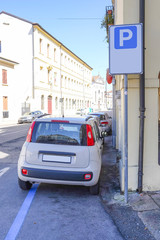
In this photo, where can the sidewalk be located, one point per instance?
(140, 218)
(8, 124)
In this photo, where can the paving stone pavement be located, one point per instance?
(140, 217)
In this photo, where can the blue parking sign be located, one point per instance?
(126, 49)
(125, 37)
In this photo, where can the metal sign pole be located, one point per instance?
(114, 112)
(126, 135)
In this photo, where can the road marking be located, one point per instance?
(4, 170)
(16, 226)
(3, 155)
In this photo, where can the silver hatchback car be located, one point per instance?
(61, 151)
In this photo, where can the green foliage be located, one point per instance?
(106, 22)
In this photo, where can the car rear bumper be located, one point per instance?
(56, 174)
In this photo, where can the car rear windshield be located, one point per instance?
(59, 133)
(101, 117)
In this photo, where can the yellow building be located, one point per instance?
(127, 12)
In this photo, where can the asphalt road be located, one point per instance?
(46, 212)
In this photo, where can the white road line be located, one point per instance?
(4, 170)
(16, 226)
(3, 155)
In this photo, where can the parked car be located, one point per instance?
(61, 151)
(81, 112)
(105, 121)
(29, 117)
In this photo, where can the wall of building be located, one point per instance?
(16, 45)
(98, 94)
(151, 171)
(71, 73)
(52, 71)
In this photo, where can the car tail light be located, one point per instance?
(24, 171)
(88, 176)
(90, 139)
(104, 122)
(30, 131)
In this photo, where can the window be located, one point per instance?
(55, 78)
(62, 58)
(62, 81)
(69, 103)
(55, 54)
(40, 45)
(59, 133)
(5, 103)
(66, 103)
(48, 48)
(96, 131)
(4, 76)
(65, 82)
(69, 82)
(56, 103)
(48, 76)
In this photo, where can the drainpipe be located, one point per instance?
(142, 103)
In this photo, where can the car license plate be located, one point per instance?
(55, 158)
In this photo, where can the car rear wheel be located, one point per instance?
(94, 190)
(24, 185)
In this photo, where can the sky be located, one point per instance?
(75, 23)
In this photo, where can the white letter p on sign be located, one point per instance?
(123, 37)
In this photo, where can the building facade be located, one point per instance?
(127, 12)
(98, 93)
(42, 73)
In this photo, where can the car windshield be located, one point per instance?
(59, 133)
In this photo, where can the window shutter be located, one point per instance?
(5, 103)
(4, 76)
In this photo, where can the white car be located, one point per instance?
(61, 151)
(29, 117)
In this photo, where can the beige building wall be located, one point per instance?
(73, 76)
(127, 12)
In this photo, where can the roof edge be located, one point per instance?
(61, 44)
(11, 15)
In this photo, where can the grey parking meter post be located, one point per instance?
(126, 136)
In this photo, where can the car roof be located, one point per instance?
(97, 113)
(80, 120)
